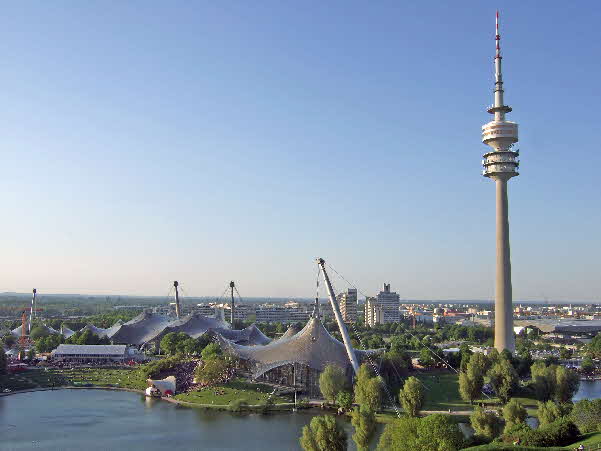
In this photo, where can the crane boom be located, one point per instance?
(345, 336)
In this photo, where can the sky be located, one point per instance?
(143, 142)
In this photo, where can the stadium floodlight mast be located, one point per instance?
(500, 165)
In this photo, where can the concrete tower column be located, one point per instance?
(503, 299)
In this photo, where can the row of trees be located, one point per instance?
(181, 343)
(45, 342)
(556, 424)
(434, 432)
(367, 395)
(548, 381)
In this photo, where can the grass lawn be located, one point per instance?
(442, 391)
(237, 389)
(53, 377)
(589, 441)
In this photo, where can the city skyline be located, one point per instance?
(204, 145)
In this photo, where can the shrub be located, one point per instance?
(587, 415)
(152, 369)
(434, 432)
(344, 399)
(486, 424)
(237, 405)
(323, 433)
(548, 412)
(559, 433)
(514, 413)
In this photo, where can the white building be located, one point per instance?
(348, 305)
(390, 303)
(92, 353)
(374, 313)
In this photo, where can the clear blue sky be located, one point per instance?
(143, 142)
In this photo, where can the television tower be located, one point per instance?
(501, 164)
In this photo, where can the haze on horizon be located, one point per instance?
(145, 142)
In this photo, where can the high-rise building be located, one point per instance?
(348, 305)
(386, 305)
(501, 164)
(374, 313)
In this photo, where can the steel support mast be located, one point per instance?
(177, 309)
(232, 286)
(32, 309)
(345, 336)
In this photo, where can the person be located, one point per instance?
(581, 446)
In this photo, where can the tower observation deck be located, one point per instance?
(500, 164)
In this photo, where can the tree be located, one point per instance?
(38, 332)
(439, 432)
(3, 361)
(548, 412)
(331, 381)
(486, 424)
(368, 389)
(543, 380)
(168, 343)
(213, 371)
(566, 384)
(594, 347)
(503, 379)
(344, 399)
(323, 434)
(9, 340)
(586, 414)
(564, 353)
(514, 413)
(587, 365)
(400, 434)
(364, 422)
(469, 389)
(425, 357)
(412, 396)
(210, 351)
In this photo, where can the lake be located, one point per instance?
(109, 420)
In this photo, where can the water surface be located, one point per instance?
(111, 420)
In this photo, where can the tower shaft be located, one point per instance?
(503, 297)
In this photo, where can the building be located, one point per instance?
(390, 303)
(501, 164)
(348, 305)
(282, 314)
(298, 360)
(374, 313)
(91, 353)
